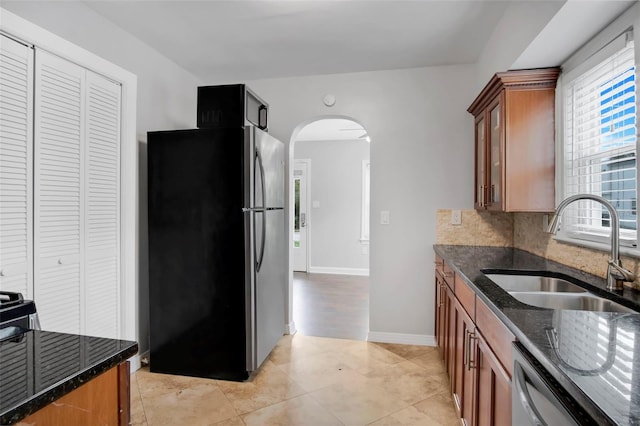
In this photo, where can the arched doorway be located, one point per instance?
(329, 249)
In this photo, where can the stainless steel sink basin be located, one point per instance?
(571, 301)
(534, 283)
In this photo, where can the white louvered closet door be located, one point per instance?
(16, 169)
(102, 207)
(58, 189)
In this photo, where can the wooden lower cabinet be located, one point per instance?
(441, 314)
(450, 338)
(480, 385)
(463, 377)
(493, 388)
(104, 400)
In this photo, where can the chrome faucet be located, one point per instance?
(616, 274)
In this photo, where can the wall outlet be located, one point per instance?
(365, 249)
(456, 217)
(315, 204)
(384, 217)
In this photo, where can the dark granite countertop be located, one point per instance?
(593, 355)
(38, 367)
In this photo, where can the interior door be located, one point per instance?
(102, 207)
(58, 192)
(16, 162)
(301, 216)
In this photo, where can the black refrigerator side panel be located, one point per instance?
(196, 253)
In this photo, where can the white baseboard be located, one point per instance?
(402, 338)
(290, 328)
(338, 271)
(135, 362)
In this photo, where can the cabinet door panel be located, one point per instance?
(440, 317)
(450, 351)
(481, 159)
(462, 374)
(102, 207)
(495, 155)
(58, 192)
(494, 389)
(16, 170)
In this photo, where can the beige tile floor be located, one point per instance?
(307, 381)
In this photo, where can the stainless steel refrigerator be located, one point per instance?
(217, 250)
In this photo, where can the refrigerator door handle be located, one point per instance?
(260, 166)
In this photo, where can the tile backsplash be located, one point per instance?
(528, 235)
(476, 229)
(523, 231)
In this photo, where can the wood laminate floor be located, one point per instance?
(331, 305)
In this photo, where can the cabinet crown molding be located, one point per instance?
(542, 78)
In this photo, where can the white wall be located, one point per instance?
(421, 156)
(519, 26)
(166, 96)
(336, 182)
(543, 34)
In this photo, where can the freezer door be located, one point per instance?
(270, 154)
(264, 223)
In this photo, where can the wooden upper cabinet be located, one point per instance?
(515, 141)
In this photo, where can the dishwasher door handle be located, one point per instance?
(520, 382)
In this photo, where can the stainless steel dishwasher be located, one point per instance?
(537, 399)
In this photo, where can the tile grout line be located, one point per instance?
(328, 410)
(144, 412)
(230, 403)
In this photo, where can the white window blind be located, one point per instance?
(600, 145)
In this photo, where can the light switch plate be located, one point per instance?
(384, 217)
(315, 204)
(456, 217)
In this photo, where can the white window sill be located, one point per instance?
(606, 247)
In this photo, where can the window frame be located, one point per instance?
(597, 49)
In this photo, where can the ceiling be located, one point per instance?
(332, 129)
(226, 41)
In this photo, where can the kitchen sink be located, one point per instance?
(534, 283)
(571, 301)
(554, 293)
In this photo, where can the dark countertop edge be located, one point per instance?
(60, 389)
(569, 386)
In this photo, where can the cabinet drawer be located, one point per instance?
(439, 265)
(448, 275)
(496, 334)
(466, 296)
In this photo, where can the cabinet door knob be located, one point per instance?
(1, 273)
(60, 261)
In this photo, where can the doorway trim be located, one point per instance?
(307, 163)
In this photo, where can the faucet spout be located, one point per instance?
(616, 274)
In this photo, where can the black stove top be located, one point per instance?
(13, 307)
